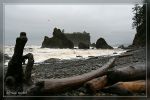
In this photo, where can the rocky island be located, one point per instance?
(59, 40)
(102, 44)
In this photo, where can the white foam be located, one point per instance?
(42, 54)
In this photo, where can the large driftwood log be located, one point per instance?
(136, 71)
(96, 84)
(15, 77)
(14, 74)
(49, 86)
(127, 88)
(130, 50)
(125, 55)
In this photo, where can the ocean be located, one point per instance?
(42, 54)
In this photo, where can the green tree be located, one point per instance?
(139, 15)
(139, 22)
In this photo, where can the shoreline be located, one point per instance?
(56, 68)
(42, 54)
(139, 56)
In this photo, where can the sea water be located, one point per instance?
(42, 54)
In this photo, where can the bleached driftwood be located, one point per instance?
(48, 86)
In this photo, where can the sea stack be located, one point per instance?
(58, 40)
(83, 46)
(102, 44)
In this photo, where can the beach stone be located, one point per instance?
(115, 53)
(33, 74)
(98, 94)
(81, 94)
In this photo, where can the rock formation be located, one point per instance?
(83, 46)
(140, 37)
(77, 37)
(58, 40)
(93, 45)
(101, 43)
(121, 47)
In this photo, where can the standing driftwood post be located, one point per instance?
(15, 77)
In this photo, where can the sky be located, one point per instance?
(112, 22)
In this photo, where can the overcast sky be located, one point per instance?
(112, 22)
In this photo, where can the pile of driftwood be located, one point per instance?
(125, 80)
(122, 81)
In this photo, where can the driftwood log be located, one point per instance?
(96, 84)
(125, 55)
(127, 88)
(15, 76)
(136, 71)
(27, 75)
(49, 86)
(130, 50)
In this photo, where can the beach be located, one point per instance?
(55, 68)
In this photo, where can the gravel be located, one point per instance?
(67, 68)
(56, 68)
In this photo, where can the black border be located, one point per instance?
(74, 1)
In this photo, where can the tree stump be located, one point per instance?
(15, 76)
